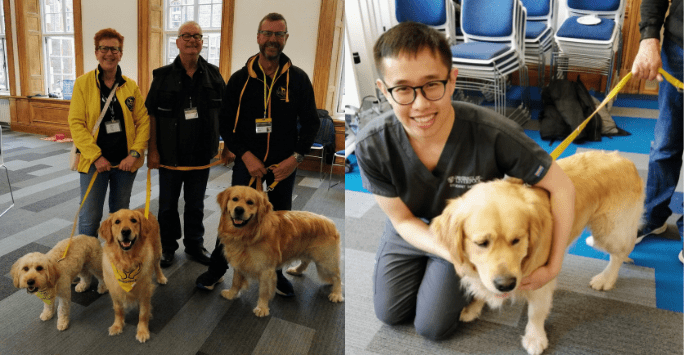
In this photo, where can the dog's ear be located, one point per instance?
(148, 227)
(540, 231)
(15, 272)
(265, 206)
(105, 230)
(51, 272)
(222, 199)
(448, 229)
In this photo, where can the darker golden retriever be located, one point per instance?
(500, 231)
(132, 252)
(258, 240)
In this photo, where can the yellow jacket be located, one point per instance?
(85, 109)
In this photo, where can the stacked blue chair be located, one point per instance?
(589, 38)
(438, 14)
(494, 48)
(539, 34)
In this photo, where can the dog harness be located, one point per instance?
(47, 296)
(127, 279)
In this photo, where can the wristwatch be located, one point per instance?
(298, 157)
(134, 154)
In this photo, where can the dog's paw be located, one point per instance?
(261, 311)
(82, 286)
(469, 314)
(62, 324)
(162, 280)
(46, 315)
(601, 283)
(102, 288)
(335, 297)
(115, 329)
(143, 335)
(230, 294)
(534, 342)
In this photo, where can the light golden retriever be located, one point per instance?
(500, 231)
(42, 274)
(258, 240)
(132, 252)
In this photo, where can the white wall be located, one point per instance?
(302, 25)
(122, 16)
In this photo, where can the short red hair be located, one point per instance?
(106, 34)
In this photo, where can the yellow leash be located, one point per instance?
(258, 184)
(559, 150)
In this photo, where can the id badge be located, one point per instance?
(113, 127)
(263, 125)
(191, 113)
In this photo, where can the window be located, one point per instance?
(4, 82)
(58, 43)
(205, 12)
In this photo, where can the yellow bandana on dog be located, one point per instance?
(47, 296)
(127, 279)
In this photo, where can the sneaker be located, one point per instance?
(167, 259)
(681, 257)
(208, 281)
(284, 287)
(647, 230)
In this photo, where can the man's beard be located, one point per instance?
(276, 45)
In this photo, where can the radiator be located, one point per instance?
(4, 111)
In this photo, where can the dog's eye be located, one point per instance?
(250, 202)
(515, 241)
(39, 268)
(235, 199)
(25, 268)
(483, 244)
(133, 220)
(117, 221)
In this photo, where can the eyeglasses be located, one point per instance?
(267, 34)
(405, 95)
(105, 49)
(186, 37)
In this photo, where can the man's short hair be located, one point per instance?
(410, 38)
(108, 33)
(186, 24)
(273, 16)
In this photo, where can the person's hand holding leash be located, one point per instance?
(102, 164)
(227, 157)
(255, 166)
(647, 61)
(284, 169)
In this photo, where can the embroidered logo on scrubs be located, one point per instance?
(130, 103)
(127, 279)
(280, 92)
(47, 296)
(463, 182)
(539, 171)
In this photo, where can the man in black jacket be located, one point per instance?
(262, 106)
(184, 103)
(665, 159)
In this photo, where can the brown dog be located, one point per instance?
(50, 279)
(258, 240)
(500, 231)
(132, 252)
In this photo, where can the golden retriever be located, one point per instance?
(500, 231)
(50, 279)
(132, 252)
(258, 240)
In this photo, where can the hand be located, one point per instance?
(254, 165)
(152, 159)
(539, 278)
(127, 163)
(227, 157)
(102, 164)
(285, 168)
(647, 61)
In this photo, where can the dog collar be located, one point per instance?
(127, 279)
(47, 296)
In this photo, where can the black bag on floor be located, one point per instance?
(566, 105)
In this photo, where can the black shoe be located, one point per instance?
(200, 255)
(284, 287)
(647, 230)
(208, 281)
(167, 259)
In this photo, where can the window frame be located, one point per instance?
(211, 48)
(5, 54)
(47, 37)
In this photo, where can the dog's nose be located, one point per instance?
(30, 282)
(239, 211)
(126, 232)
(505, 283)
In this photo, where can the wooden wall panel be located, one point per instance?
(324, 50)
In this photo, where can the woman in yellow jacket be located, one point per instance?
(116, 150)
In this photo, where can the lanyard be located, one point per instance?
(267, 90)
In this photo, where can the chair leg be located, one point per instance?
(10, 189)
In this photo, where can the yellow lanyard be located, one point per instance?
(267, 90)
